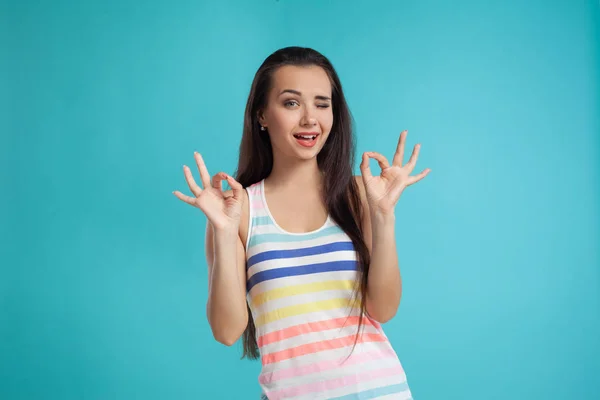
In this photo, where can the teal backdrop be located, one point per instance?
(103, 281)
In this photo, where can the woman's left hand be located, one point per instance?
(383, 191)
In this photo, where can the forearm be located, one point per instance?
(226, 307)
(384, 287)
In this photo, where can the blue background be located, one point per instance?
(103, 281)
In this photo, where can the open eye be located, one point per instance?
(290, 103)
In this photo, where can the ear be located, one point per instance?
(261, 118)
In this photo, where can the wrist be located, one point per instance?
(226, 233)
(383, 218)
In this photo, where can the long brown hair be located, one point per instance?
(335, 160)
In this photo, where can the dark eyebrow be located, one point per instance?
(300, 94)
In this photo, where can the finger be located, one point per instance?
(399, 155)
(217, 180)
(191, 182)
(383, 162)
(204, 175)
(184, 198)
(414, 156)
(236, 187)
(365, 169)
(418, 177)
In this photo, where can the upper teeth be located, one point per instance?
(308, 137)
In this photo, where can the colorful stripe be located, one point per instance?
(301, 289)
(257, 239)
(324, 366)
(304, 288)
(299, 309)
(303, 252)
(284, 272)
(324, 385)
(316, 347)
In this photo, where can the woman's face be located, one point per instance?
(299, 114)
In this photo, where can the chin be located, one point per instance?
(308, 158)
(308, 153)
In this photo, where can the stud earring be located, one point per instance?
(262, 128)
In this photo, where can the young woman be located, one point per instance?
(301, 254)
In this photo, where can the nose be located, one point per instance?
(307, 118)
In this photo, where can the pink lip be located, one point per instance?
(305, 143)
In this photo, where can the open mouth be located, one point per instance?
(306, 140)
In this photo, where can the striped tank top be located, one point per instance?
(300, 293)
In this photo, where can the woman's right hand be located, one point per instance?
(223, 212)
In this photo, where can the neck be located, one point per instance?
(301, 174)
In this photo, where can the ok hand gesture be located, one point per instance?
(383, 191)
(222, 211)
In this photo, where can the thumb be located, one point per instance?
(236, 187)
(365, 169)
